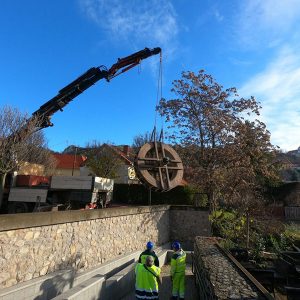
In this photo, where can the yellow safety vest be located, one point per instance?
(146, 285)
(178, 263)
(145, 254)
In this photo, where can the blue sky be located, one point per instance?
(250, 44)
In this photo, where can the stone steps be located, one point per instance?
(49, 286)
(92, 288)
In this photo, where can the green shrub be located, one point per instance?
(228, 225)
(292, 231)
(264, 235)
(137, 194)
(227, 244)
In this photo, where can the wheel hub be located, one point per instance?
(159, 166)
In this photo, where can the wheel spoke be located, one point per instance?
(159, 166)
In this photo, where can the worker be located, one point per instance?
(147, 252)
(178, 271)
(147, 280)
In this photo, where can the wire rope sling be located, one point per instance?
(157, 165)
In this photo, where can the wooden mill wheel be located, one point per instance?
(159, 166)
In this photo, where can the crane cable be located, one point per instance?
(158, 94)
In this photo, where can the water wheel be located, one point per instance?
(159, 166)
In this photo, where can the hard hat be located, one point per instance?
(149, 245)
(176, 245)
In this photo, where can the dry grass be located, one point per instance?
(292, 230)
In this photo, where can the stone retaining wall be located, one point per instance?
(218, 278)
(187, 223)
(32, 245)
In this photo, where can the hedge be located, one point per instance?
(138, 194)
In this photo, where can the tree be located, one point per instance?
(141, 139)
(15, 150)
(224, 154)
(102, 159)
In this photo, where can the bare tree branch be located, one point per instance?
(15, 149)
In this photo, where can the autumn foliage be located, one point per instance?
(225, 148)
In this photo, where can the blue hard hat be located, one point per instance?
(150, 245)
(176, 245)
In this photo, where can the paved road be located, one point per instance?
(165, 289)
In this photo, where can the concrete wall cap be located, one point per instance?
(28, 220)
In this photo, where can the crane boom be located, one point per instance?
(79, 85)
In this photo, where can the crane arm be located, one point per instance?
(79, 85)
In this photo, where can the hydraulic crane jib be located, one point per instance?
(79, 85)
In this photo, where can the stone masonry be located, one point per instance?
(32, 245)
(187, 223)
(217, 277)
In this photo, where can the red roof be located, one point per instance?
(67, 161)
(120, 153)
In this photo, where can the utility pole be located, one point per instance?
(74, 161)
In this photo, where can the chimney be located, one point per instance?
(126, 150)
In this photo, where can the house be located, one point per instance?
(125, 170)
(69, 164)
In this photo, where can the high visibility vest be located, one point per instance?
(143, 256)
(178, 263)
(146, 285)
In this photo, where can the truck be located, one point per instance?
(33, 194)
(43, 193)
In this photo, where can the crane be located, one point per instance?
(78, 86)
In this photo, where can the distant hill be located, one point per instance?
(294, 153)
(293, 156)
(72, 149)
(291, 163)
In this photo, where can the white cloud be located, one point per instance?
(265, 23)
(152, 23)
(218, 15)
(277, 87)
